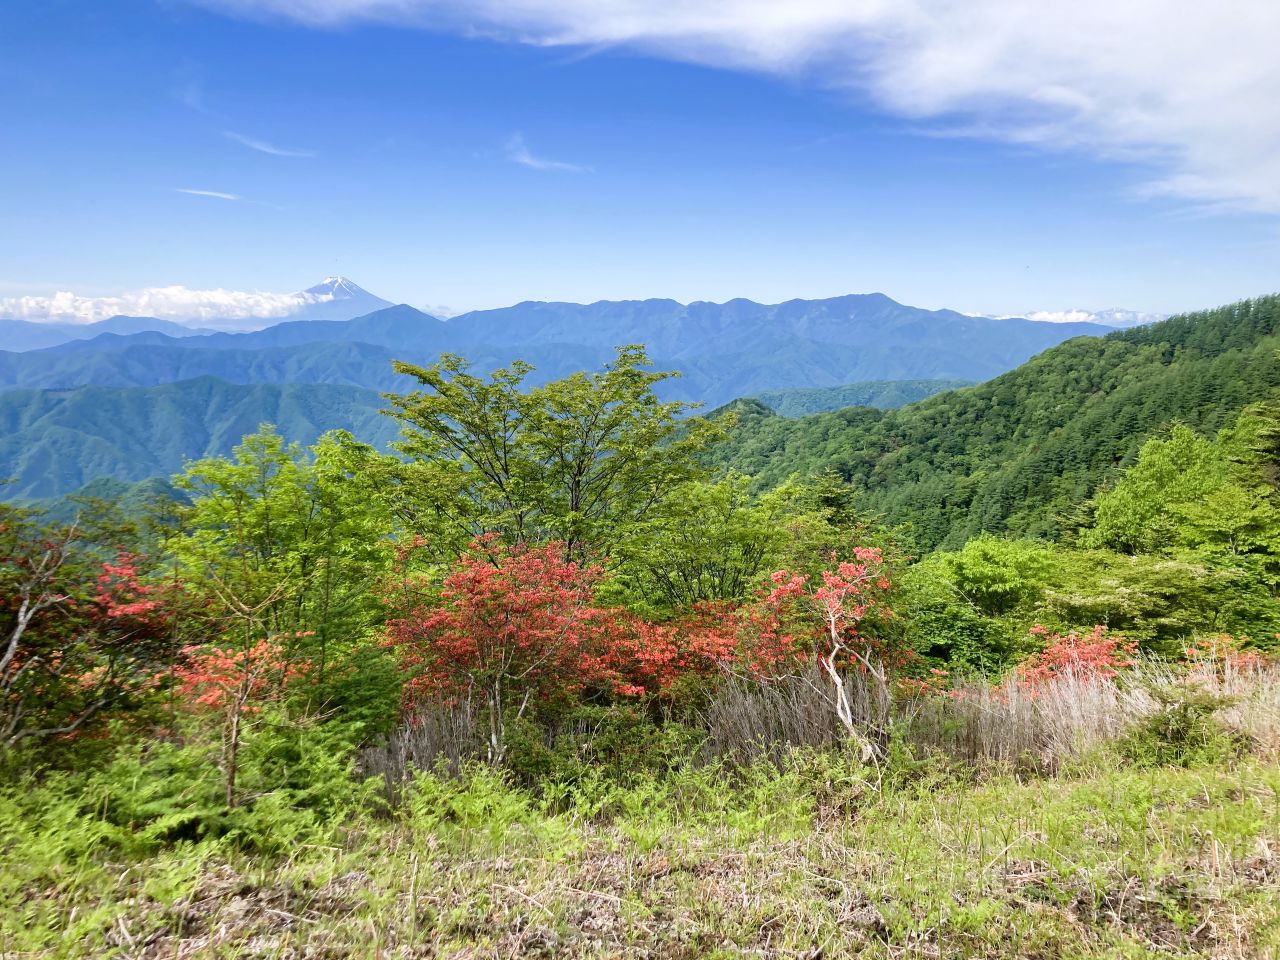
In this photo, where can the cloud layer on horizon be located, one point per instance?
(1184, 87)
(225, 308)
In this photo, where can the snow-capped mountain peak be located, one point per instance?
(336, 288)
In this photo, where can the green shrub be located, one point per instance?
(619, 743)
(1184, 731)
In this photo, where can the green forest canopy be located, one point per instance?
(1023, 453)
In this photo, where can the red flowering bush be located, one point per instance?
(224, 678)
(1096, 655)
(646, 658)
(827, 619)
(236, 682)
(512, 622)
(78, 639)
(804, 618)
(1222, 651)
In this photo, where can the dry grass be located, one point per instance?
(1047, 726)
(1254, 689)
(751, 719)
(444, 738)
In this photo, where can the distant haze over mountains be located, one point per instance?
(723, 350)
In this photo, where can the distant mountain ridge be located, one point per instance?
(724, 351)
(22, 335)
(129, 405)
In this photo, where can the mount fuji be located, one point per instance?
(337, 298)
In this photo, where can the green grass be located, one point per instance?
(1109, 861)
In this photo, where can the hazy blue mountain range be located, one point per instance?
(724, 351)
(55, 441)
(881, 394)
(20, 335)
(133, 403)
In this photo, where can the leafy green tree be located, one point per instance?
(287, 542)
(947, 628)
(710, 541)
(576, 460)
(1147, 511)
(995, 575)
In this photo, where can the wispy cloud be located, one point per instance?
(188, 87)
(215, 194)
(1183, 87)
(263, 147)
(517, 151)
(190, 94)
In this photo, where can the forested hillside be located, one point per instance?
(1023, 452)
(53, 442)
(881, 394)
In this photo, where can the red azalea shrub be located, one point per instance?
(123, 596)
(81, 640)
(1096, 655)
(518, 625)
(237, 683)
(242, 680)
(830, 617)
(803, 619)
(646, 658)
(1223, 651)
(512, 621)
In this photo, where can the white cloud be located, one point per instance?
(1189, 87)
(263, 147)
(518, 152)
(1111, 317)
(223, 308)
(215, 194)
(1062, 316)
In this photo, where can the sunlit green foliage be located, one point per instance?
(575, 460)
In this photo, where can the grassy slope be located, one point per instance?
(1104, 862)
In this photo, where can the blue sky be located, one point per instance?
(473, 161)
